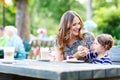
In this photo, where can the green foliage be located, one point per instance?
(105, 3)
(10, 11)
(47, 13)
(44, 13)
(10, 15)
(0, 15)
(108, 20)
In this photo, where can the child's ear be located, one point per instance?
(106, 47)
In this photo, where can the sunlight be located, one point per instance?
(81, 1)
(8, 2)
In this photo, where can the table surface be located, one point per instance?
(59, 70)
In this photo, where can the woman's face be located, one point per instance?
(74, 30)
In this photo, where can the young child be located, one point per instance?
(99, 50)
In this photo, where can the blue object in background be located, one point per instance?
(89, 25)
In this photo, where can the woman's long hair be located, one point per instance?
(63, 36)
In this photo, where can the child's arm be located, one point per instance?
(91, 56)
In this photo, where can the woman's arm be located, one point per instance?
(58, 57)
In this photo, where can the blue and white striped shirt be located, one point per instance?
(92, 58)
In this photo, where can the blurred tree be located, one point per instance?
(89, 9)
(43, 13)
(105, 3)
(22, 19)
(10, 10)
(108, 20)
(106, 15)
(47, 13)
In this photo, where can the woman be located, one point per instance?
(15, 41)
(100, 50)
(70, 36)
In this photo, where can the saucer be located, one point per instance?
(74, 61)
(7, 61)
(44, 60)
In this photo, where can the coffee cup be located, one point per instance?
(44, 53)
(9, 53)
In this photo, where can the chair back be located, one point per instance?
(27, 45)
(1, 53)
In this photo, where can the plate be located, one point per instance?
(44, 60)
(7, 61)
(74, 61)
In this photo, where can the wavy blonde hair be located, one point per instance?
(66, 21)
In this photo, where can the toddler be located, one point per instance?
(99, 50)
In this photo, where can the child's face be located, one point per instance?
(97, 47)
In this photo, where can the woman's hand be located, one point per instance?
(82, 52)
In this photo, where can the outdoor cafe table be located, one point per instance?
(37, 70)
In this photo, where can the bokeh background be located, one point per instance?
(31, 15)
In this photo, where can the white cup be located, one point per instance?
(44, 53)
(9, 53)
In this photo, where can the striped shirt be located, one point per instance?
(92, 58)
